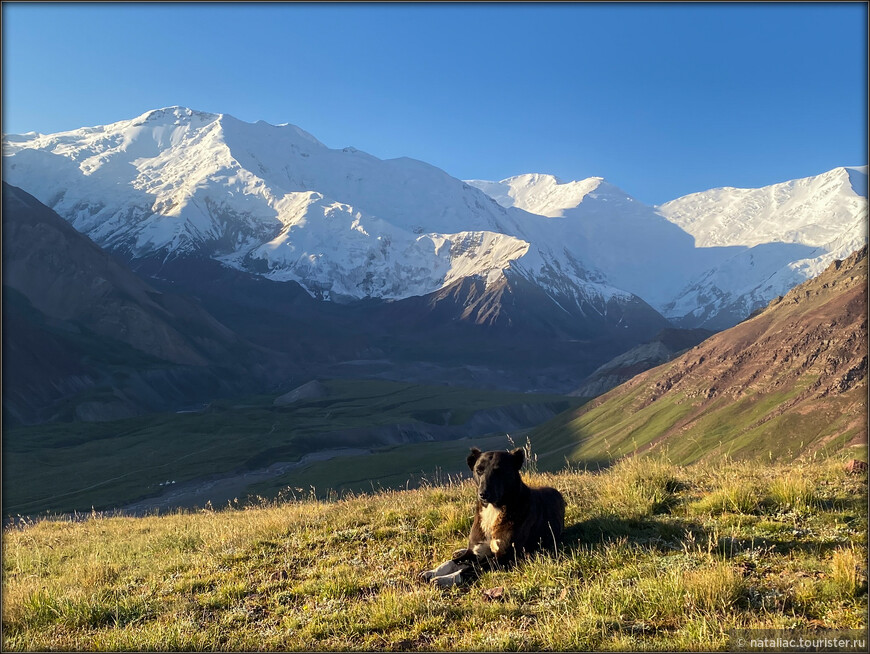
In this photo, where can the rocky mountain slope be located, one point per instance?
(666, 345)
(791, 379)
(84, 337)
(508, 335)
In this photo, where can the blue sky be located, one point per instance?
(662, 100)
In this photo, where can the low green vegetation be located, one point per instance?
(655, 556)
(752, 427)
(79, 466)
(393, 468)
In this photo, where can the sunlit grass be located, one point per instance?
(655, 556)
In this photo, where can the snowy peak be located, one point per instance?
(779, 236)
(605, 227)
(542, 194)
(280, 136)
(275, 201)
(162, 126)
(812, 211)
(175, 114)
(707, 259)
(858, 179)
(153, 132)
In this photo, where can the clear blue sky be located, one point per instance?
(660, 99)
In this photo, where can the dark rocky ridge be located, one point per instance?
(508, 335)
(84, 338)
(666, 345)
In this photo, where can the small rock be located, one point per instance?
(494, 593)
(856, 467)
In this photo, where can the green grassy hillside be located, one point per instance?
(655, 556)
(76, 466)
(753, 427)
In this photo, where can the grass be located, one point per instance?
(751, 427)
(395, 467)
(655, 556)
(78, 466)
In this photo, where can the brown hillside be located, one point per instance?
(792, 377)
(818, 329)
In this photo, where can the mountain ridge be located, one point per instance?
(275, 201)
(84, 337)
(714, 281)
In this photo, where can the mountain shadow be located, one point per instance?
(85, 338)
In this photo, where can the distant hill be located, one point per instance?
(85, 338)
(791, 380)
(667, 344)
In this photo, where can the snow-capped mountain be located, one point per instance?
(811, 211)
(275, 201)
(635, 247)
(782, 235)
(707, 259)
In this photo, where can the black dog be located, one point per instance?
(511, 519)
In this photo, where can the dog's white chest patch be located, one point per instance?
(489, 518)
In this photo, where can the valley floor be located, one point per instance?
(655, 556)
(238, 447)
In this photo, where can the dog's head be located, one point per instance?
(496, 473)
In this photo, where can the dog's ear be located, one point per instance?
(519, 457)
(473, 456)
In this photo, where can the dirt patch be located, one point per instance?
(219, 490)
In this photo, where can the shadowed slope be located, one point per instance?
(77, 321)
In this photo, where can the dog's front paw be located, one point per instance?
(426, 575)
(445, 581)
(460, 554)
